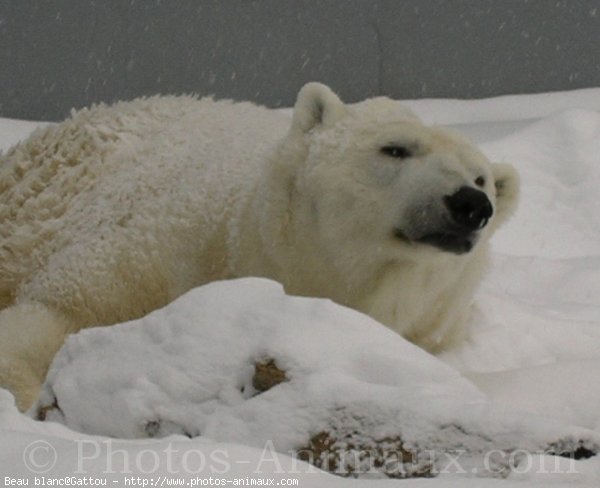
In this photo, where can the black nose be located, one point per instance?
(470, 208)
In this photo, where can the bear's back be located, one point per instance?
(122, 172)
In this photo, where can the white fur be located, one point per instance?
(120, 209)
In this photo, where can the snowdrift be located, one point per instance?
(351, 396)
(263, 376)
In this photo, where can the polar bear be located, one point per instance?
(120, 209)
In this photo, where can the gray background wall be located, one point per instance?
(59, 54)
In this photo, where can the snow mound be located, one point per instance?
(507, 108)
(558, 159)
(342, 381)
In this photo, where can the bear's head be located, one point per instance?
(374, 175)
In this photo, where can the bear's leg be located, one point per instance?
(30, 336)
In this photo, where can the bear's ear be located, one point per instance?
(506, 180)
(316, 104)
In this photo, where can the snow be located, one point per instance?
(12, 131)
(528, 375)
(508, 108)
(190, 366)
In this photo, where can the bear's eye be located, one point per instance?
(400, 152)
(480, 181)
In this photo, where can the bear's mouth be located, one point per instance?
(456, 243)
(453, 242)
